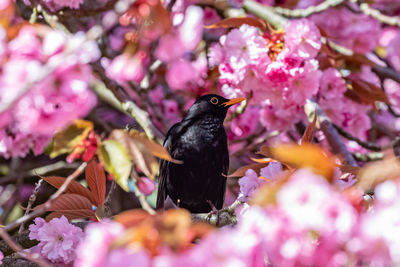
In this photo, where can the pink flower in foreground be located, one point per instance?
(127, 258)
(58, 239)
(92, 251)
(1, 257)
(302, 38)
(378, 240)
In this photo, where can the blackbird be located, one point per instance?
(200, 142)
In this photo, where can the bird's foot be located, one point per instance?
(216, 212)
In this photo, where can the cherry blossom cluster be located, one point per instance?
(58, 239)
(313, 225)
(280, 71)
(44, 86)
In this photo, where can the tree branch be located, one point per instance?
(331, 134)
(376, 14)
(17, 248)
(110, 92)
(42, 209)
(302, 13)
(225, 216)
(32, 200)
(349, 136)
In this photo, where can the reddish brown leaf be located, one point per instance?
(70, 202)
(368, 92)
(71, 214)
(242, 170)
(96, 180)
(310, 131)
(74, 187)
(237, 22)
(358, 59)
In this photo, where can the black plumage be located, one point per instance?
(200, 141)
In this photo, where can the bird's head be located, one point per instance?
(212, 105)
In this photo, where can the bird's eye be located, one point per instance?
(214, 100)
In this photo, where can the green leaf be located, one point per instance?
(116, 161)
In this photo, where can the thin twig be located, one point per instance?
(42, 209)
(32, 200)
(301, 13)
(265, 12)
(107, 202)
(349, 136)
(40, 171)
(366, 157)
(331, 134)
(17, 248)
(145, 205)
(111, 93)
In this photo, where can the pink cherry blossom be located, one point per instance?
(98, 237)
(58, 239)
(393, 51)
(303, 38)
(355, 31)
(183, 38)
(246, 123)
(126, 67)
(250, 182)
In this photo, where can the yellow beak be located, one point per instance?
(233, 101)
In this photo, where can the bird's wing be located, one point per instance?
(164, 170)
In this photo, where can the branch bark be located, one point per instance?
(331, 134)
(225, 216)
(47, 204)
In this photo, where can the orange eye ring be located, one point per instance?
(214, 100)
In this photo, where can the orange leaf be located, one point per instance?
(74, 187)
(306, 155)
(174, 229)
(265, 151)
(263, 160)
(155, 148)
(96, 180)
(132, 218)
(237, 22)
(242, 170)
(134, 151)
(310, 131)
